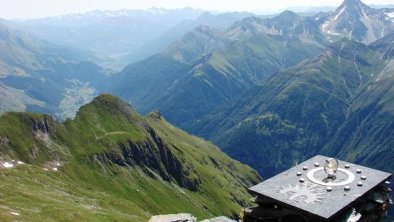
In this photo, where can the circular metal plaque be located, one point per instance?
(318, 175)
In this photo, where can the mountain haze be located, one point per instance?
(107, 36)
(39, 76)
(221, 22)
(208, 67)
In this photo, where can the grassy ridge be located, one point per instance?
(92, 185)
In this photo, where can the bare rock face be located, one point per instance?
(3, 141)
(43, 125)
(153, 154)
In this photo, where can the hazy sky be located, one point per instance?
(42, 8)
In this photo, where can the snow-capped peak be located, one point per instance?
(157, 11)
(390, 15)
(355, 20)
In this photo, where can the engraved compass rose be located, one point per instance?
(303, 193)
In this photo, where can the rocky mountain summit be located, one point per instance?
(355, 20)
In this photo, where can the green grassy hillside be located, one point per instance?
(337, 103)
(111, 164)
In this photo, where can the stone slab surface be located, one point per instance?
(308, 196)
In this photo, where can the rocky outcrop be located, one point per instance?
(44, 124)
(183, 217)
(219, 219)
(3, 141)
(153, 154)
(173, 218)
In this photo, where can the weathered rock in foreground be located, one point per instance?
(173, 218)
(219, 219)
(183, 217)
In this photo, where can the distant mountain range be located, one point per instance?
(28, 63)
(107, 36)
(208, 67)
(264, 106)
(160, 43)
(275, 43)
